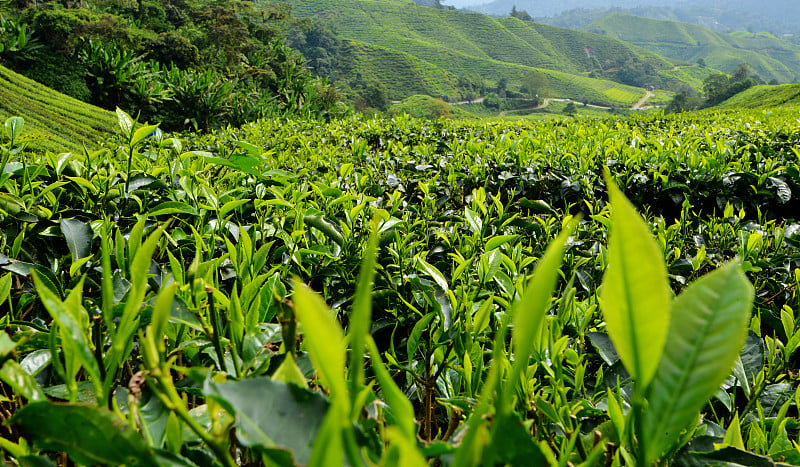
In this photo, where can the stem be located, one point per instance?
(166, 393)
(215, 324)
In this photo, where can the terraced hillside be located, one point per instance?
(770, 57)
(55, 121)
(765, 97)
(453, 43)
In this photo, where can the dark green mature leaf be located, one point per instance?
(270, 414)
(636, 296)
(79, 237)
(782, 190)
(727, 457)
(705, 337)
(90, 435)
(512, 444)
(36, 461)
(144, 182)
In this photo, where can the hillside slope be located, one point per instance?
(770, 57)
(57, 122)
(764, 96)
(450, 44)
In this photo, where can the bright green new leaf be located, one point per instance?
(401, 407)
(709, 326)
(21, 382)
(636, 296)
(232, 205)
(323, 338)
(289, 372)
(143, 133)
(361, 316)
(69, 321)
(499, 240)
(5, 287)
(529, 311)
(733, 435)
(125, 123)
(14, 127)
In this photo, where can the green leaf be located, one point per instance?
(89, 435)
(529, 311)
(21, 382)
(125, 123)
(5, 287)
(499, 240)
(142, 133)
(511, 444)
(433, 271)
(416, 333)
(79, 237)
(326, 227)
(635, 297)
(401, 407)
(361, 316)
(289, 372)
(733, 435)
(172, 207)
(323, 338)
(708, 330)
(271, 414)
(70, 323)
(14, 127)
(231, 205)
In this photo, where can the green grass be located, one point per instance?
(55, 121)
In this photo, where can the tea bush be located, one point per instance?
(401, 291)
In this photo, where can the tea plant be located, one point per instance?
(480, 300)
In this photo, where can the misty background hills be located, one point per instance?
(775, 16)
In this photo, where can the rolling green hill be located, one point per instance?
(764, 96)
(57, 122)
(770, 57)
(414, 49)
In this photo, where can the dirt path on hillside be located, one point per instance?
(638, 105)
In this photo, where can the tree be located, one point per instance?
(701, 62)
(715, 88)
(570, 109)
(520, 14)
(534, 83)
(741, 72)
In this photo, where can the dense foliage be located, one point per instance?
(161, 290)
(187, 64)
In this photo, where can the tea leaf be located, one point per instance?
(323, 338)
(636, 296)
(143, 133)
(529, 311)
(79, 237)
(271, 414)
(89, 435)
(707, 332)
